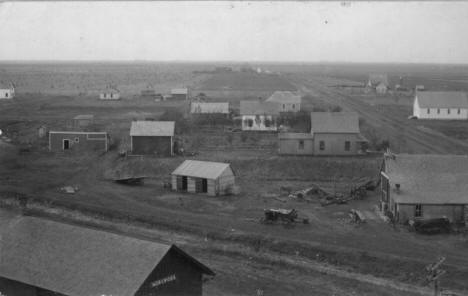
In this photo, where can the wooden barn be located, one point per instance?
(78, 141)
(287, 101)
(259, 116)
(180, 94)
(448, 105)
(296, 144)
(336, 133)
(425, 186)
(40, 257)
(152, 138)
(7, 90)
(212, 178)
(110, 93)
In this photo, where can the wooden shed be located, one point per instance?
(78, 141)
(212, 178)
(42, 257)
(152, 138)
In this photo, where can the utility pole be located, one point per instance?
(434, 273)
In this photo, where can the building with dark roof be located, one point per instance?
(425, 186)
(212, 178)
(259, 115)
(43, 257)
(152, 138)
(449, 105)
(336, 133)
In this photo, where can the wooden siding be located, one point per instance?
(455, 213)
(225, 182)
(78, 142)
(191, 187)
(220, 186)
(291, 147)
(161, 146)
(187, 282)
(335, 144)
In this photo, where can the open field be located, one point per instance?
(330, 256)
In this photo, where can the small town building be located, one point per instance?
(152, 138)
(42, 257)
(180, 94)
(7, 90)
(212, 178)
(83, 120)
(209, 108)
(296, 144)
(110, 93)
(336, 133)
(419, 87)
(287, 101)
(378, 83)
(451, 105)
(78, 141)
(258, 115)
(425, 186)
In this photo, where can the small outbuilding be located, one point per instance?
(378, 82)
(42, 257)
(180, 94)
(287, 101)
(78, 141)
(152, 138)
(381, 88)
(7, 90)
(110, 93)
(212, 178)
(425, 186)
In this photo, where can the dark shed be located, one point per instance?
(42, 257)
(152, 137)
(77, 141)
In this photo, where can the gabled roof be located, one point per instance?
(428, 179)
(152, 128)
(201, 169)
(179, 91)
(77, 261)
(84, 117)
(334, 122)
(258, 108)
(442, 99)
(200, 107)
(375, 79)
(284, 97)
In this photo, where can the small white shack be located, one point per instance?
(110, 93)
(212, 178)
(7, 90)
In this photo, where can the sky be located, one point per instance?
(386, 32)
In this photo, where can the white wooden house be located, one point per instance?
(448, 105)
(259, 116)
(110, 93)
(7, 91)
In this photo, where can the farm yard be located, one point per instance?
(330, 255)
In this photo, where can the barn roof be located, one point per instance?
(152, 128)
(295, 136)
(334, 122)
(201, 107)
(375, 79)
(429, 179)
(84, 117)
(179, 91)
(442, 99)
(284, 97)
(258, 108)
(77, 261)
(201, 169)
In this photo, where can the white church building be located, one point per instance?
(448, 105)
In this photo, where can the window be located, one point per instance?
(322, 145)
(294, 106)
(284, 106)
(458, 111)
(428, 111)
(448, 111)
(112, 95)
(418, 211)
(438, 111)
(301, 144)
(77, 140)
(6, 95)
(347, 145)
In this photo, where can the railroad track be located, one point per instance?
(426, 142)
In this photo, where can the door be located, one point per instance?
(204, 185)
(66, 144)
(184, 182)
